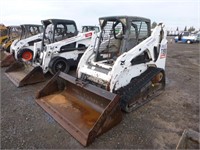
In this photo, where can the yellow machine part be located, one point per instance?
(3, 34)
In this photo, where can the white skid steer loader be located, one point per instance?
(61, 47)
(123, 70)
(30, 33)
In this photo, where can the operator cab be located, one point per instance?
(90, 28)
(29, 30)
(14, 32)
(3, 30)
(56, 30)
(118, 35)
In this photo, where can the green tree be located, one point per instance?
(191, 29)
(185, 28)
(154, 24)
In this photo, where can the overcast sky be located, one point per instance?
(174, 13)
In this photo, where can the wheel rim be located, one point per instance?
(27, 55)
(188, 42)
(60, 66)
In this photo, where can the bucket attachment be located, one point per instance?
(6, 59)
(84, 110)
(2, 54)
(190, 139)
(23, 74)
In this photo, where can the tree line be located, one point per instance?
(190, 29)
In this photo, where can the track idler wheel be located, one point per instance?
(142, 89)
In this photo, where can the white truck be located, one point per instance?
(186, 37)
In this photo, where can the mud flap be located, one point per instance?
(6, 59)
(84, 110)
(22, 74)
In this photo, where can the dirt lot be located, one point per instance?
(157, 125)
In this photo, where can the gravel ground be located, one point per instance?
(157, 125)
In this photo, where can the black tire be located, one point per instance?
(20, 53)
(188, 42)
(59, 64)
